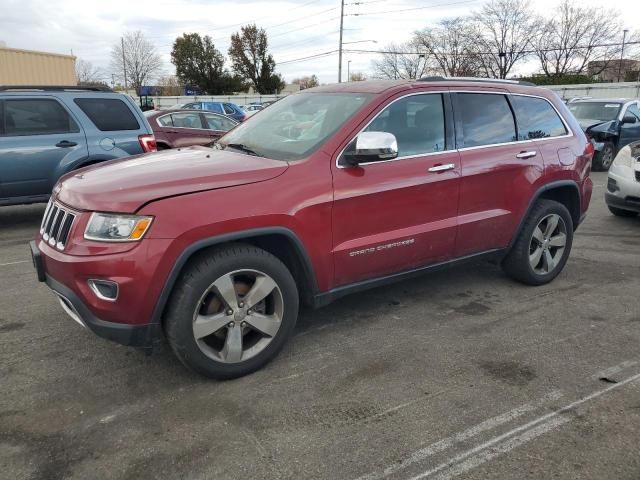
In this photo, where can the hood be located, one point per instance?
(588, 124)
(126, 185)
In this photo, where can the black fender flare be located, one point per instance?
(188, 252)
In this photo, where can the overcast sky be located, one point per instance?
(296, 28)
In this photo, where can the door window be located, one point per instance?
(108, 114)
(186, 120)
(536, 118)
(37, 117)
(228, 109)
(193, 106)
(633, 110)
(486, 119)
(416, 121)
(213, 107)
(218, 122)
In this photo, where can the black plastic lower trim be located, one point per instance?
(140, 336)
(326, 298)
(621, 203)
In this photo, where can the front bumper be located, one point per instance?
(76, 305)
(623, 189)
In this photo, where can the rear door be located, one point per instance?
(395, 215)
(497, 171)
(40, 135)
(630, 132)
(217, 125)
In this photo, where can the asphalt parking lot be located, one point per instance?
(462, 374)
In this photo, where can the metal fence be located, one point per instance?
(168, 102)
(598, 90)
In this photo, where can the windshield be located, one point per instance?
(595, 110)
(295, 126)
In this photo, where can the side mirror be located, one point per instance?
(629, 119)
(370, 147)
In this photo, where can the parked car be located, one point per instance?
(327, 192)
(225, 108)
(623, 185)
(611, 123)
(184, 128)
(48, 131)
(252, 109)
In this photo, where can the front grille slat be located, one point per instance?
(56, 225)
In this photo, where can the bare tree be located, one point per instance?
(505, 32)
(170, 86)
(306, 82)
(569, 40)
(87, 74)
(357, 77)
(451, 48)
(140, 61)
(400, 62)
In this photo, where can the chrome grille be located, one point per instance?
(56, 225)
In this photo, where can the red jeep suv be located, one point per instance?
(327, 192)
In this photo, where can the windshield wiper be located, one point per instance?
(242, 148)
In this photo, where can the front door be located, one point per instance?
(39, 135)
(396, 215)
(218, 125)
(630, 132)
(188, 129)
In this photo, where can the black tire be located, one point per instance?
(619, 212)
(517, 265)
(198, 276)
(604, 158)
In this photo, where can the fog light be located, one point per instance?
(104, 289)
(612, 185)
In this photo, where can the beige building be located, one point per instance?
(26, 67)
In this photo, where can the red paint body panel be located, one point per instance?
(409, 216)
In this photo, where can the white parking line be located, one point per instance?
(459, 464)
(13, 263)
(447, 443)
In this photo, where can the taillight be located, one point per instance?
(148, 143)
(589, 149)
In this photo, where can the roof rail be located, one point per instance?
(474, 79)
(51, 88)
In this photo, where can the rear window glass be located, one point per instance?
(536, 118)
(37, 117)
(486, 119)
(108, 114)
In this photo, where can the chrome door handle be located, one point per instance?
(529, 154)
(442, 168)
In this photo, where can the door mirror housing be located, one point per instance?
(629, 119)
(370, 147)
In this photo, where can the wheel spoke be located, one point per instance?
(262, 287)
(208, 324)
(534, 258)
(226, 290)
(266, 324)
(548, 261)
(538, 235)
(552, 223)
(232, 350)
(559, 240)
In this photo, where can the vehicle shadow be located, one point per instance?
(27, 216)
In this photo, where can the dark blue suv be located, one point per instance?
(46, 132)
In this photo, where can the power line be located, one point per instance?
(411, 9)
(317, 55)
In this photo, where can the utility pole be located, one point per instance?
(624, 37)
(340, 46)
(124, 65)
(349, 71)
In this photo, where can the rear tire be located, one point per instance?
(603, 159)
(232, 311)
(543, 245)
(619, 212)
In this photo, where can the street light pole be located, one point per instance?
(624, 37)
(340, 46)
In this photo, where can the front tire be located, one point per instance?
(543, 245)
(603, 159)
(232, 311)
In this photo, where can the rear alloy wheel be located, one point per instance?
(603, 159)
(232, 311)
(542, 248)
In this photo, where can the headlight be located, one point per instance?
(105, 227)
(624, 158)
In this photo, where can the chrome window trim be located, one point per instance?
(428, 92)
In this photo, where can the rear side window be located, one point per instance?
(486, 119)
(416, 121)
(108, 114)
(536, 118)
(165, 121)
(228, 109)
(213, 107)
(37, 117)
